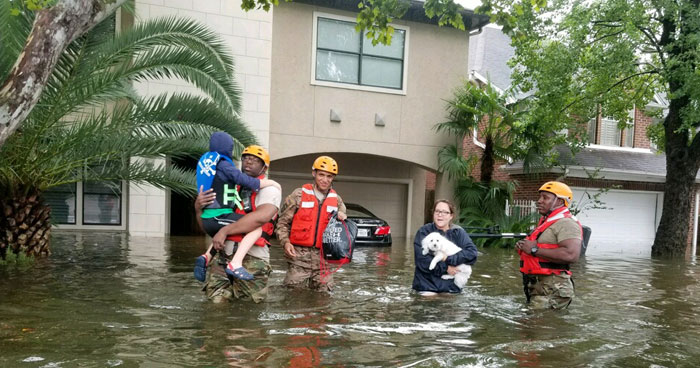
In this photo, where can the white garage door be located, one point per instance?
(387, 201)
(627, 225)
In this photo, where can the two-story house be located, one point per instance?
(624, 159)
(311, 85)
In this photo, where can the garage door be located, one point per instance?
(386, 200)
(627, 225)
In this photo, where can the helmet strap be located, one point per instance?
(262, 170)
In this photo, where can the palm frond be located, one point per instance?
(15, 26)
(452, 161)
(178, 180)
(187, 108)
(90, 123)
(161, 62)
(172, 31)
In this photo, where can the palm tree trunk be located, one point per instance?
(26, 224)
(487, 162)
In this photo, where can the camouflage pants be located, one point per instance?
(219, 287)
(304, 270)
(549, 291)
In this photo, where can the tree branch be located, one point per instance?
(623, 80)
(605, 36)
(53, 30)
(654, 42)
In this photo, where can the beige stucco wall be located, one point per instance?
(300, 125)
(299, 111)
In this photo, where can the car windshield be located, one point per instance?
(357, 211)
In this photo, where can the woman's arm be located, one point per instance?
(422, 261)
(468, 254)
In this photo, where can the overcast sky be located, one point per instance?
(469, 4)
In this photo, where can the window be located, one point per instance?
(346, 58)
(610, 133)
(83, 205)
(61, 199)
(101, 203)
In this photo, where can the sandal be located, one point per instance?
(240, 273)
(200, 268)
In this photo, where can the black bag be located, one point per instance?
(339, 240)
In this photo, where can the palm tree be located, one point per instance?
(90, 123)
(486, 111)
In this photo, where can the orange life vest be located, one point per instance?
(311, 218)
(267, 229)
(533, 265)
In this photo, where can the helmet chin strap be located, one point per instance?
(262, 170)
(552, 208)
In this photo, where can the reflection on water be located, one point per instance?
(107, 300)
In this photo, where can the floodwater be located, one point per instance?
(108, 300)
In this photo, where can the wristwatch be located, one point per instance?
(534, 250)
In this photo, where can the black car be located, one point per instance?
(371, 230)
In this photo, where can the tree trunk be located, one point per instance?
(681, 168)
(487, 162)
(54, 28)
(672, 235)
(26, 226)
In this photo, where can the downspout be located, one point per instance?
(474, 140)
(694, 246)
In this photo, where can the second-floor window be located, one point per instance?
(346, 56)
(604, 131)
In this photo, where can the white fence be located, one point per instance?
(520, 207)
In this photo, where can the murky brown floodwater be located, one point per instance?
(104, 300)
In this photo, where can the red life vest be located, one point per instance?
(267, 229)
(311, 218)
(533, 265)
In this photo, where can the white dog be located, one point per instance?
(441, 248)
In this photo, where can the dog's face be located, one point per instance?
(432, 242)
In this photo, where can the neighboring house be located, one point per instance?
(312, 85)
(625, 159)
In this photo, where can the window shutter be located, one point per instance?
(609, 134)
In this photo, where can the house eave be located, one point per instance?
(415, 12)
(603, 173)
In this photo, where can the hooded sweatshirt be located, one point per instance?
(222, 143)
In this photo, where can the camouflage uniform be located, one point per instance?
(219, 287)
(550, 291)
(305, 269)
(553, 291)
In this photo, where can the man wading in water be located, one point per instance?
(546, 253)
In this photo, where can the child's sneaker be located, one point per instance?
(240, 273)
(200, 267)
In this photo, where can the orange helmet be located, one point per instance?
(327, 164)
(560, 190)
(258, 152)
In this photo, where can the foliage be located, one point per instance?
(507, 224)
(499, 120)
(375, 15)
(574, 56)
(90, 122)
(591, 200)
(482, 206)
(16, 259)
(31, 5)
